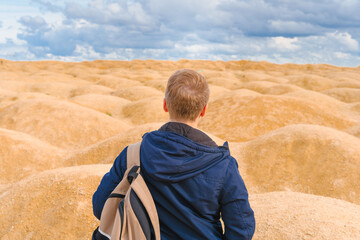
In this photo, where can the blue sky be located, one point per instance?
(279, 31)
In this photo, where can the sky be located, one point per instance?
(278, 31)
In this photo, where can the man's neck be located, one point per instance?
(187, 122)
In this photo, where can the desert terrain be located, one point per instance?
(294, 130)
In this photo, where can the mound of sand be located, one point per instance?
(7, 97)
(229, 83)
(44, 75)
(57, 89)
(55, 204)
(243, 93)
(355, 130)
(279, 89)
(261, 76)
(157, 84)
(115, 82)
(349, 82)
(305, 158)
(137, 93)
(290, 215)
(356, 108)
(110, 105)
(329, 103)
(147, 110)
(259, 86)
(10, 98)
(60, 123)
(91, 88)
(107, 150)
(16, 86)
(216, 91)
(312, 82)
(22, 155)
(250, 117)
(348, 95)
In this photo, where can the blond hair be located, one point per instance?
(186, 94)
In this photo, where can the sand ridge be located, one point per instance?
(305, 158)
(252, 116)
(294, 130)
(292, 215)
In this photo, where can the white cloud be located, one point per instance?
(346, 40)
(342, 55)
(284, 44)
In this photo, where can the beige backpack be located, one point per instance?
(129, 212)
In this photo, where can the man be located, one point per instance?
(192, 180)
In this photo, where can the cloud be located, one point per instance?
(11, 50)
(34, 24)
(338, 48)
(293, 28)
(33, 30)
(345, 40)
(291, 18)
(284, 44)
(48, 6)
(275, 30)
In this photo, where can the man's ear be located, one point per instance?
(203, 111)
(165, 107)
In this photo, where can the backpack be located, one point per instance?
(129, 212)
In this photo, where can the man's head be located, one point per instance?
(186, 95)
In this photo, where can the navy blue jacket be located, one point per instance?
(191, 184)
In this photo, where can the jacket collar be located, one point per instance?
(189, 132)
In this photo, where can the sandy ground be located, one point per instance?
(294, 129)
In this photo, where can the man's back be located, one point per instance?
(192, 182)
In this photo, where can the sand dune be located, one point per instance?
(292, 128)
(110, 105)
(261, 76)
(9, 98)
(317, 97)
(158, 83)
(57, 89)
(348, 95)
(228, 83)
(291, 215)
(92, 88)
(115, 82)
(107, 150)
(60, 123)
(217, 91)
(146, 111)
(250, 117)
(22, 155)
(355, 130)
(259, 86)
(312, 82)
(356, 107)
(55, 204)
(137, 93)
(279, 89)
(306, 158)
(16, 86)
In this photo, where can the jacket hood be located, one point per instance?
(170, 157)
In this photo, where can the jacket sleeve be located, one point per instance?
(108, 183)
(236, 212)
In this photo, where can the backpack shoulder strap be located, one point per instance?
(133, 155)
